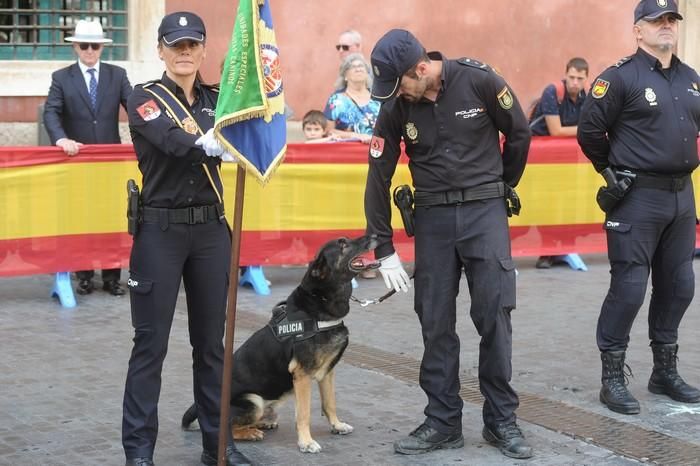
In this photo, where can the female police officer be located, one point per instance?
(182, 235)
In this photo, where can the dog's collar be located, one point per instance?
(300, 326)
(324, 324)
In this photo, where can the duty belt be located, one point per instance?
(484, 191)
(666, 183)
(188, 215)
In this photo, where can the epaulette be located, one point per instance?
(474, 63)
(212, 87)
(150, 83)
(622, 61)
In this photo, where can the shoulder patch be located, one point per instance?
(474, 63)
(600, 88)
(505, 98)
(376, 147)
(149, 110)
(622, 61)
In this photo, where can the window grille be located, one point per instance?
(36, 29)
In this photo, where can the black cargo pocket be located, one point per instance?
(138, 285)
(507, 284)
(612, 225)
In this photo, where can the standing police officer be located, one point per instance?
(449, 114)
(642, 123)
(183, 235)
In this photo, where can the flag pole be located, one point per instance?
(224, 424)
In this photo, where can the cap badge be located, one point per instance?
(376, 70)
(600, 88)
(412, 132)
(505, 98)
(662, 3)
(650, 96)
(183, 21)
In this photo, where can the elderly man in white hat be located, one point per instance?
(83, 108)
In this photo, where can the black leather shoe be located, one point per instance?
(85, 287)
(509, 439)
(233, 457)
(139, 462)
(425, 439)
(113, 287)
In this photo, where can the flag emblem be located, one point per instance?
(600, 88)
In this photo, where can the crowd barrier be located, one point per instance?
(65, 214)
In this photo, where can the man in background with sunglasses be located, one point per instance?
(83, 108)
(349, 41)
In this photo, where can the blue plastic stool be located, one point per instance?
(574, 261)
(63, 289)
(255, 277)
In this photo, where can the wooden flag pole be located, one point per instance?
(224, 424)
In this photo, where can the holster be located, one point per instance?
(512, 201)
(133, 204)
(608, 197)
(403, 198)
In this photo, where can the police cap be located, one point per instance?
(181, 25)
(393, 55)
(652, 9)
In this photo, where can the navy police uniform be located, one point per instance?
(182, 235)
(644, 119)
(458, 171)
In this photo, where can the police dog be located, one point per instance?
(303, 341)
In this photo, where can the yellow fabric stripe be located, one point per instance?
(75, 198)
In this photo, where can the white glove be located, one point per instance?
(211, 146)
(393, 273)
(228, 157)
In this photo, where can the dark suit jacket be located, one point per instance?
(68, 113)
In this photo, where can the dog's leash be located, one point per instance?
(367, 302)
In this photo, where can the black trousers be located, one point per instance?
(651, 230)
(200, 256)
(108, 275)
(472, 236)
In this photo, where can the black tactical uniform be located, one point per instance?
(643, 122)
(458, 171)
(183, 236)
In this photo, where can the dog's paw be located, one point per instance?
(267, 425)
(247, 433)
(309, 447)
(342, 428)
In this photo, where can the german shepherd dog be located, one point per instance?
(303, 341)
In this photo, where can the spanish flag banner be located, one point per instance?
(250, 119)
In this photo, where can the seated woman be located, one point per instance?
(350, 110)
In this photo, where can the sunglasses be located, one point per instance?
(342, 47)
(84, 46)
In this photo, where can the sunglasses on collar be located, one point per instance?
(342, 47)
(84, 46)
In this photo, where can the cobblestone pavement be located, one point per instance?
(62, 374)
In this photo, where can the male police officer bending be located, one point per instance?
(642, 123)
(449, 114)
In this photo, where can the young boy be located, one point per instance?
(314, 126)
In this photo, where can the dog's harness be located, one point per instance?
(297, 324)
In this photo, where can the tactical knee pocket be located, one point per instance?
(684, 282)
(507, 284)
(140, 290)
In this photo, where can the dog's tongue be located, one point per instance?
(365, 263)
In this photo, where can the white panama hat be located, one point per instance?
(89, 32)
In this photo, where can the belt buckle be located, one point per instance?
(196, 215)
(454, 197)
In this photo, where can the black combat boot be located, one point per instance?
(665, 379)
(614, 393)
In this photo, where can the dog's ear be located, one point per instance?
(319, 267)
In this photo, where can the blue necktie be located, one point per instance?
(92, 89)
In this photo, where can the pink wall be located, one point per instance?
(528, 41)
